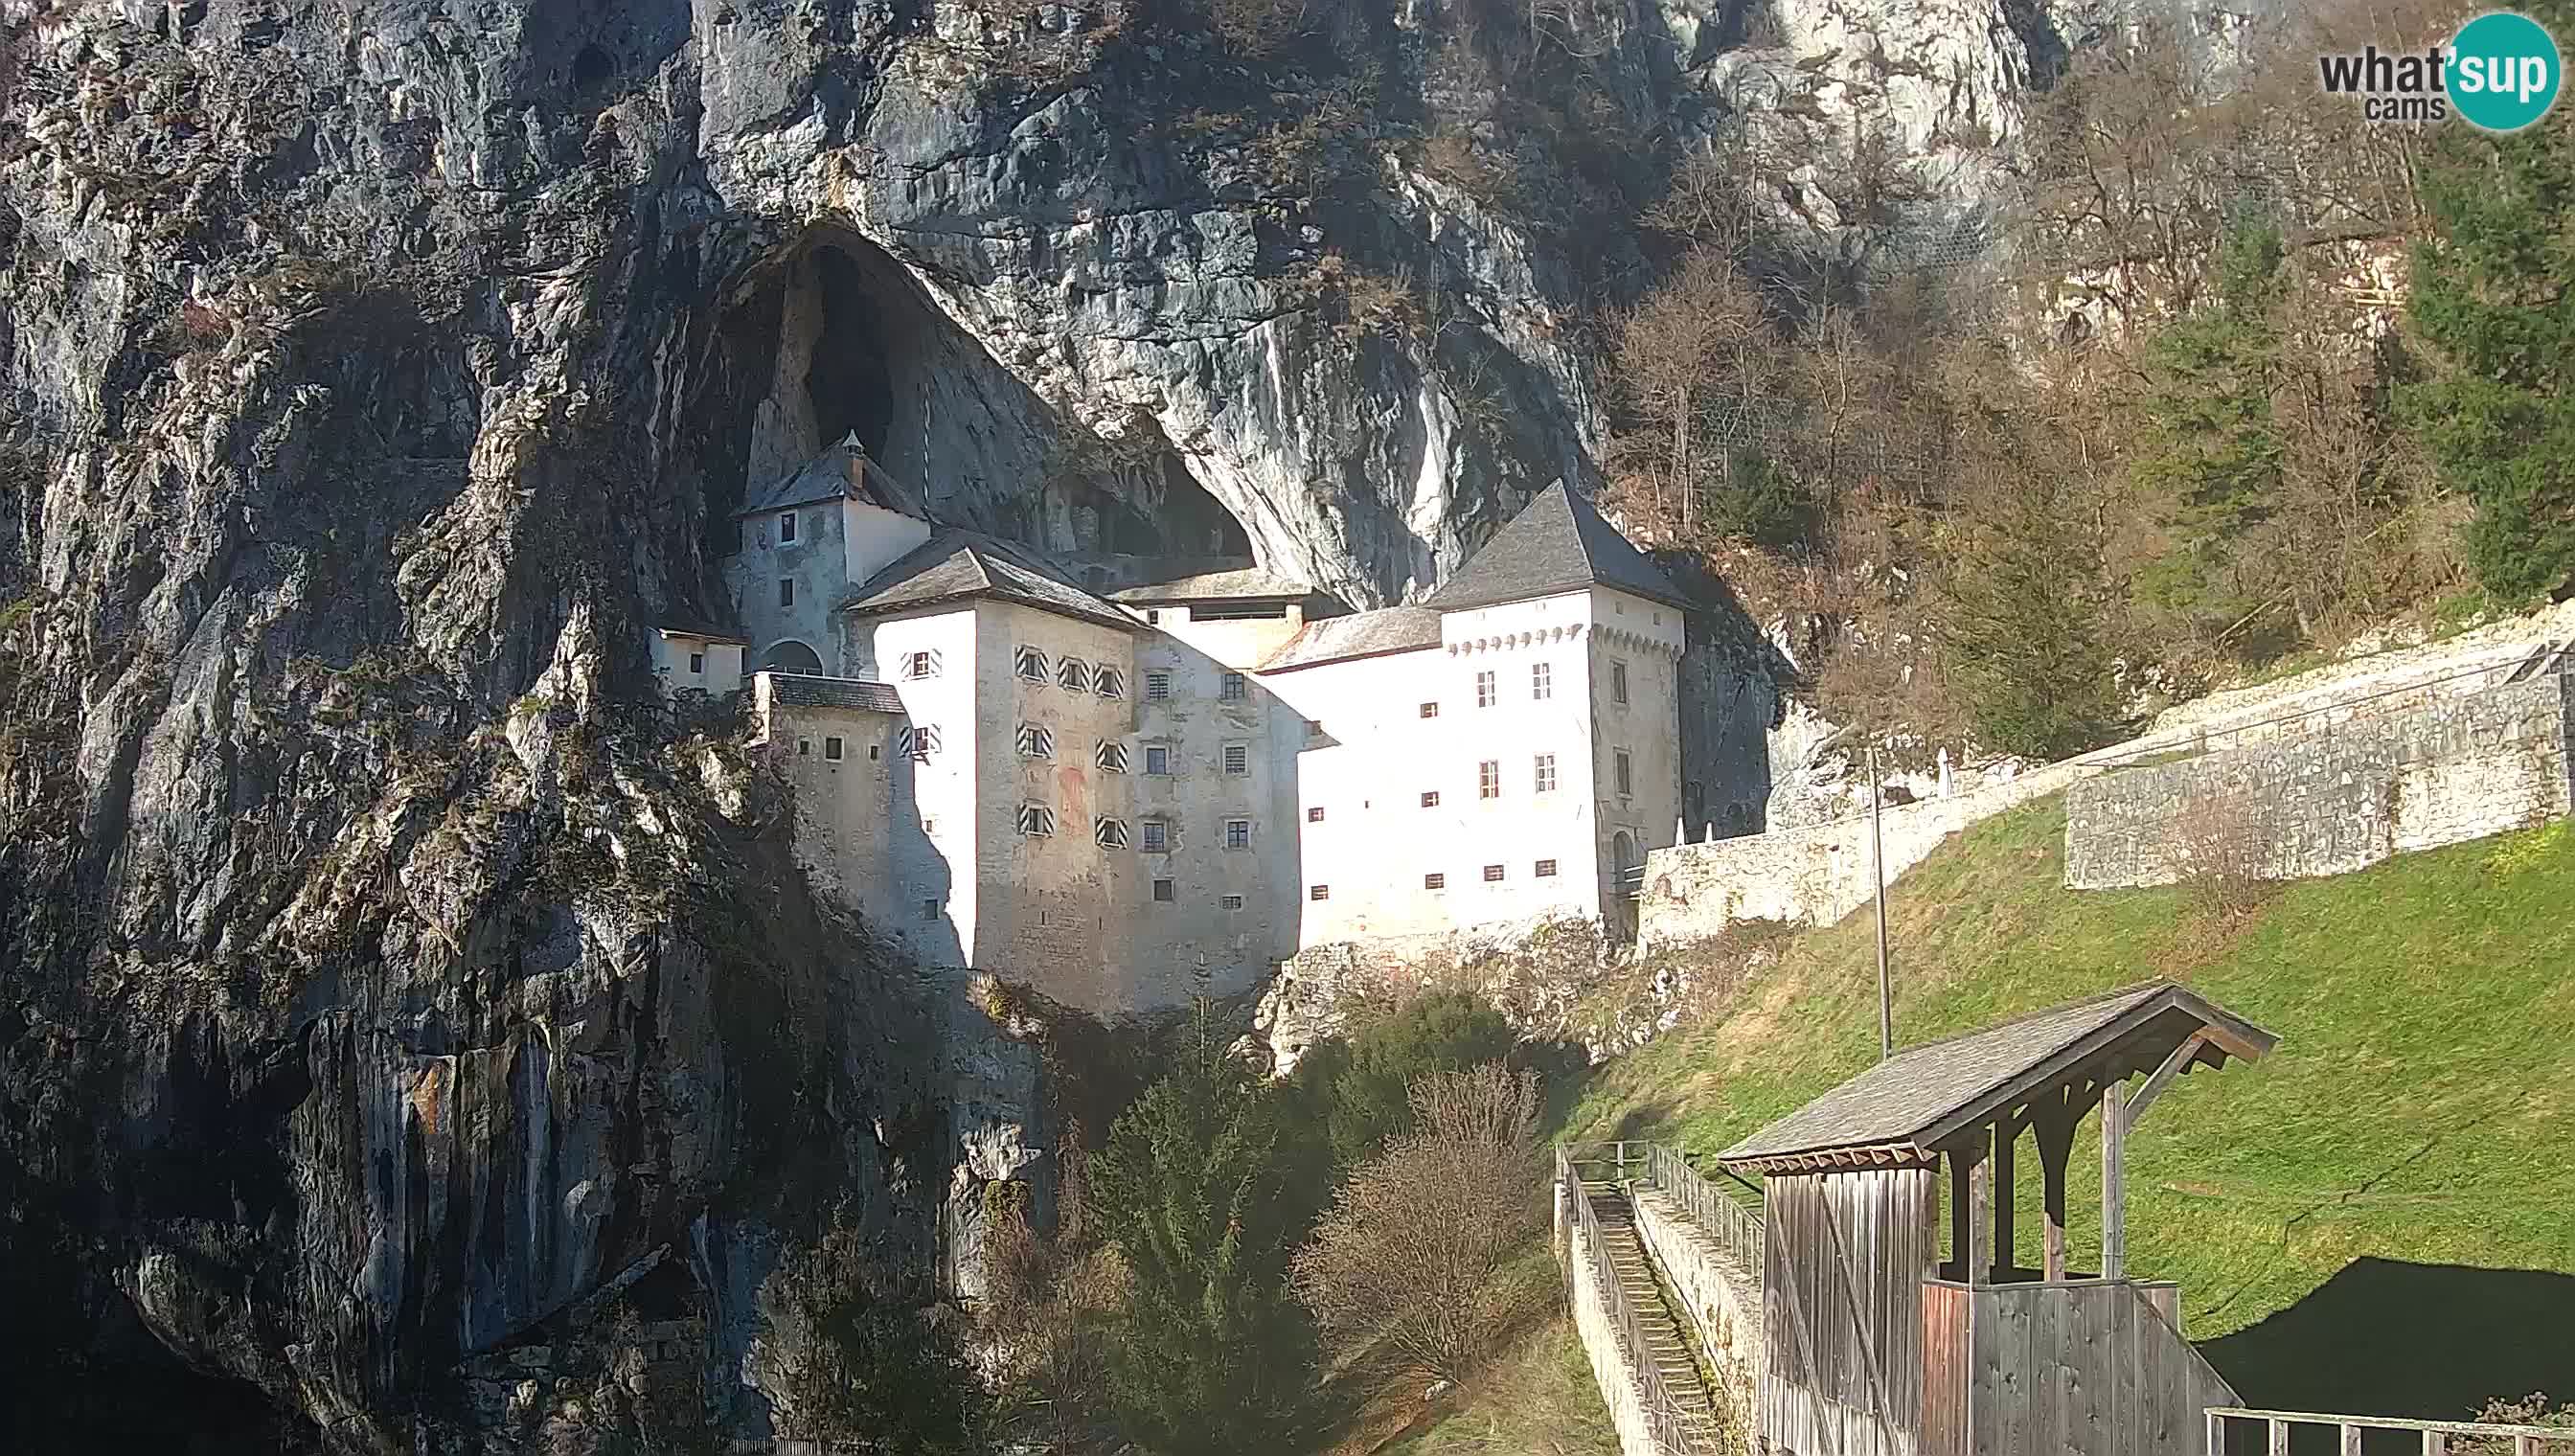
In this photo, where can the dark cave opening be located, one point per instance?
(592, 66)
(848, 381)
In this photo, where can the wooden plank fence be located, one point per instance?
(2275, 1428)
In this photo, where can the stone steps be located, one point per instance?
(1669, 1346)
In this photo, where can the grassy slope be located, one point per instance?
(2378, 1216)
(1539, 1398)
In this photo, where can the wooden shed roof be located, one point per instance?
(1907, 1108)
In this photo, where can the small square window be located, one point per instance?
(920, 664)
(1618, 681)
(1165, 891)
(1315, 816)
(1319, 893)
(1546, 773)
(696, 661)
(1435, 882)
(1430, 799)
(1035, 818)
(1230, 689)
(1036, 741)
(1430, 710)
(1541, 680)
(1111, 756)
(1157, 758)
(1157, 687)
(1545, 869)
(804, 746)
(1109, 682)
(1074, 676)
(1489, 779)
(874, 751)
(930, 909)
(1238, 757)
(786, 591)
(1229, 902)
(1493, 874)
(1030, 665)
(1157, 837)
(831, 747)
(1623, 772)
(786, 526)
(916, 742)
(1238, 834)
(1109, 833)
(1484, 690)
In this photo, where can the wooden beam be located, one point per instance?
(2004, 1183)
(2055, 1133)
(2165, 1074)
(2115, 1191)
(1965, 1164)
(1980, 1213)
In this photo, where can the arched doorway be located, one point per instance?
(792, 656)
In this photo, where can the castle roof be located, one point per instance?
(809, 690)
(958, 565)
(1557, 543)
(1359, 634)
(1238, 585)
(687, 624)
(841, 471)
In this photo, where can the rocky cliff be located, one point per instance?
(380, 978)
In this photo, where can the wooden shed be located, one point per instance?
(1871, 1346)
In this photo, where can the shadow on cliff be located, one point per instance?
(2389, 1337)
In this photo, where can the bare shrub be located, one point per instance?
(2530, 1410)
(2225, 846)
(1411, 1271)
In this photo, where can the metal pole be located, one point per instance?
(1877, 872)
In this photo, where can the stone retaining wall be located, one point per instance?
(1619, 1388)
(2335, 794)
(1724, 1299)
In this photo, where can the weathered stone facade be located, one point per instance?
(2334, 793)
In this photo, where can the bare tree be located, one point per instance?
(1698, 336)
(1414, 1265)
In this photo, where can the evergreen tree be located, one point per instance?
(2021, 617)
(2495, 293)
(1213, 1356)
(1370, 1102)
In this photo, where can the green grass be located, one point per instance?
(2380, 1213)
(1539, 1397)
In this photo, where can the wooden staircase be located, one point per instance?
(1665, 1330)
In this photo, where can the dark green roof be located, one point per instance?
(1557, 543)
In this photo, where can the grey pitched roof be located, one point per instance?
(686, 623)
(805, 690)
(1359, 634)
(1556, 543)
(1247, 583)
(957, 563)
(841, 471)
(1924, 1095)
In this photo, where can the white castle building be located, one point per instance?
(1118, 795)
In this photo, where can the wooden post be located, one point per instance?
(2280, 1444)
(2436, 1443)
(2216, 1433)
(1980, 1215)
(2004, 1138)
(1966, 1168)
(2114, 1191)
(2350, 1439)
(2054, 1129)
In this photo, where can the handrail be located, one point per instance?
(1719, 1214)
(2436, 1434)
(1676, 1430)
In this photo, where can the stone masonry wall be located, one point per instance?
(1723, 1298)
(2339, 793)
(1592, 1322)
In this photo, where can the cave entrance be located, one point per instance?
(848, 381)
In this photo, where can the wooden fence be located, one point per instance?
(2090, 1365)
(2436, 1438)
(1719, 1214)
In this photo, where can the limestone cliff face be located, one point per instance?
(378, 978)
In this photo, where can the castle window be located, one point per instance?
(1111, 757)
(1032, 665)
(1618, 681)
(1315, 816)
(832, 748)
(1238, 757)
(1238, 834)
(786, 527)
(1545, 870)
(1229, 902)
(1435, 882)
(1319, 893)
(696, 661)
(1165, 891)
(1074, 676)
(930, 909)
(1546, 773)
(1157, 837)
(1489, 779)
(1153, 614)
(873, 751)
(1493, 874)
(1541, 679)
(1109, 833)
(804, 746)
(920, 664)
(1230, 689)
(1035, 818)
(917, 741)
(1484, 690)
(1036, 741)
(786, 591)
(1157, 687)
(1625, 778)
(1109, 682)
(1157, 758)
(1430, 710)
(1430, 799)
